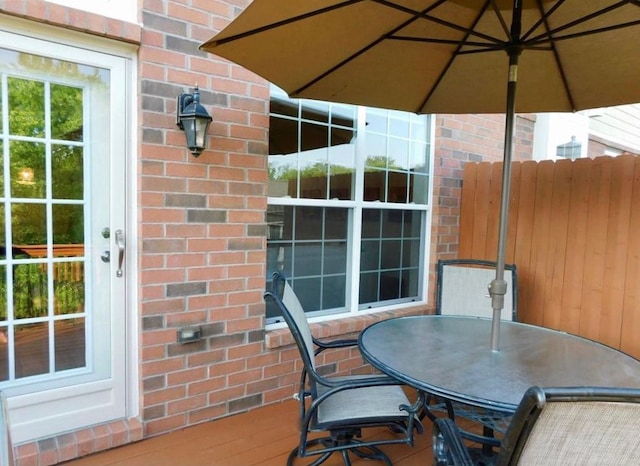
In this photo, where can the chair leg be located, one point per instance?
(373, 453)
(345, 458)
(333, 445)
(487, 448)
(295, 454)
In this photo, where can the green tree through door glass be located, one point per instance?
(43, 271)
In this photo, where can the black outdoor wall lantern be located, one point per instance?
(194, 120)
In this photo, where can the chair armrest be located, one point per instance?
(349, 382)
(323, 345)
(448, 446)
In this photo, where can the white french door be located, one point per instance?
(62, 235)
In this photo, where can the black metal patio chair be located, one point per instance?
(341, 407)
(462, 289)
(557, 427)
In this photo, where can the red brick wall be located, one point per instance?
(460, 139)
(202, 233)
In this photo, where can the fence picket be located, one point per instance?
(573, 234)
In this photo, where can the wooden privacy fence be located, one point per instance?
(574, 234)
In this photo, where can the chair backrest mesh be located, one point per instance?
(295, 310)
(463, 289)
(584, 433)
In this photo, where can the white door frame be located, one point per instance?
(66, 45)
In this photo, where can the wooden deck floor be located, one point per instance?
(261, 437)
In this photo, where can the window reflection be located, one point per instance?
(28, 169)
(68, 288)
(30, 296)
(26, 107)
(311, 149)
(418, 189)
(66, 121)
(68, 227)
(67, 166)
(375, 182)
(396, 143)
(29, 223)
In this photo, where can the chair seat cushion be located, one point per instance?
(363, 405)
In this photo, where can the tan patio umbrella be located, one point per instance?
(446, 56)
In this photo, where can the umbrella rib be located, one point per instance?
(503, 23)
(554, 50)
(481, 45)
(415, 16)
(426, 16)
(545, 39)
(547, 36)
(283, 22)
(505, 47)
(450, 62)
(543, 18)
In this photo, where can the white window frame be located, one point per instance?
(354, 235)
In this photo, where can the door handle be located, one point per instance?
(120, 244)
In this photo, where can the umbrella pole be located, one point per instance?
(498, 287)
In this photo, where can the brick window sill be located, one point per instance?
(337, 328)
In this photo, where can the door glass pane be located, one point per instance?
(68, 228)
(28, 226)
(68, 287)
(66, 166)
(30, 290)
(66, 122)
(26, 107)
(31, 349)
(28, 175)
(69, 344)
(42, 275)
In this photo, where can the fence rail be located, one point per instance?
(574, 233)
(30, 291)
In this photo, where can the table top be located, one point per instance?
(452, 357)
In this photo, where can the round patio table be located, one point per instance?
(451, 357)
